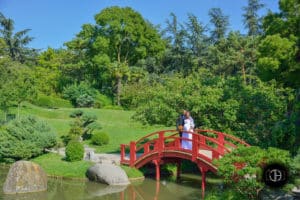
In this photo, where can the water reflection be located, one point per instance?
(188, 188)
(152, 190)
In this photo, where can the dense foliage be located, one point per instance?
(248, 180)
(25, 138)
(243, 84)
(255, 113)
(74, 151)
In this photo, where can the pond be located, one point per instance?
(188, 188)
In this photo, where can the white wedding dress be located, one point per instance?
(188, 126)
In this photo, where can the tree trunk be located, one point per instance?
(119, 87)
(244, 73)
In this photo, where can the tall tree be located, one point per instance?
(119, 39)
(220, 23)
(281, 45)
(280, 56)
(233, 55)
(251, 19)
(178, 56)
(16, 42)
(175, 35)
(196, 38)
(16, 84)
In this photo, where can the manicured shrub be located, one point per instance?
(43, 101)
(85, 100)
(74, 151)
(84, 125)
(25, 138)
(51, 102)
(100, 138)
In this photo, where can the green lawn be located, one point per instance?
(117, 123)
(132, 172)
(54, 165)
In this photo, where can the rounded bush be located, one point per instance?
(100, 138)
(74, 151)
(25, 138)
(85, 101)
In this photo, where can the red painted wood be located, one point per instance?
(195, 147)
(146, 148)
(122, 153)
(157, 169)
(203, 181)
(165, 146)
(132, 153)
(221, 142)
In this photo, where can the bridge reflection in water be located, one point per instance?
(165, 147)
(154, 190)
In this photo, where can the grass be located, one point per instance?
(118, 124)
(132, 172)
(54, 165)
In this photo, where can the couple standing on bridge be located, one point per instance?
(185, 125)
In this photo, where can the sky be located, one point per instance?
(53, 22)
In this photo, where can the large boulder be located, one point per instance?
(107, 173)
(24, 177)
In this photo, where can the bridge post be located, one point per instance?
(203, 180)
(195, 147)
(221, 141)
(161, 142)
(157, 169)
(132, 153)
(122, 153)
(146, 148)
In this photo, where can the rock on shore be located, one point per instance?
(108, 173)
(24, 177)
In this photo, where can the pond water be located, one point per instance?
(188, 188)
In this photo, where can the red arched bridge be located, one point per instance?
(165, 147)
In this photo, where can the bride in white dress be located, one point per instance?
(188, 126)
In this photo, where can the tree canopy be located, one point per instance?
(244, 84)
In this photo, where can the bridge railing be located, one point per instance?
(217, 143)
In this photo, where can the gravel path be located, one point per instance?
(90, 155)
